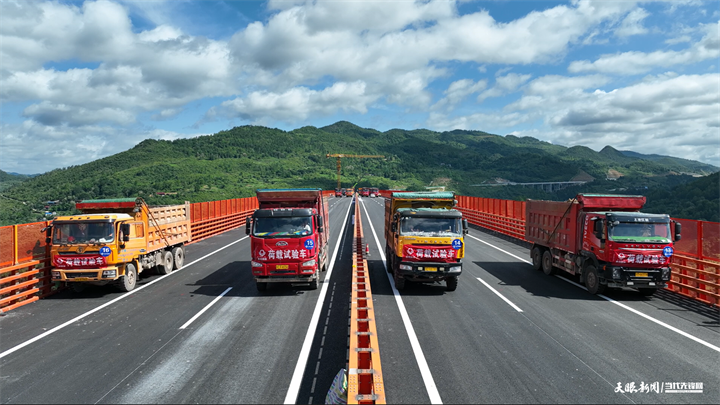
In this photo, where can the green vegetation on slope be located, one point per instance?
(233, 163)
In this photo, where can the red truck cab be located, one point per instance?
(604, 239)
(365, 192)
(288, 237)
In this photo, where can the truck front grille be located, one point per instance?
(83, 274)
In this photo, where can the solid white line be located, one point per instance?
(205, 309)
(648, 317)
(77, 318)
(635, 311)
(294, 387)
(414, 342)
(500, 295)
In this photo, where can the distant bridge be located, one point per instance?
(548, 186)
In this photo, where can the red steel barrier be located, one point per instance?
(695, 264)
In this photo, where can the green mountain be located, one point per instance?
(233, 163)
(8, 180)
(698, 199)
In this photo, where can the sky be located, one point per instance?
(82, 80)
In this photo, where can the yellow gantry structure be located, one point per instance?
(342, 155)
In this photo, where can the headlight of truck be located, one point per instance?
(309, 263)
(666, 273)
(455, 269)
(55, 274)
(256, 264)
(405, 267)
(109, 274)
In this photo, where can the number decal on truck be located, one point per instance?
(309, 244)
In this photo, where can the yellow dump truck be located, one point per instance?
(424, 238)
(112, 241)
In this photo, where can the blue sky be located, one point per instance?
(81, 80)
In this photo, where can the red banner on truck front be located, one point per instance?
(79, 262)
(434, 253)
(640, 257)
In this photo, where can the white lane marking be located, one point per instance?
(294, 388)
(661, 323)
(500, 295)
(414, 342)
(202, 311)
(92, 311)
(504, 251)
(648, 317)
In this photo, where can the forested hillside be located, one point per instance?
(233, 163)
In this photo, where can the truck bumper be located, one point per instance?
(81, 275)
(418, 271)
(617, 276)
(286, 279)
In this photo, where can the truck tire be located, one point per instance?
(592, 281)
(129, 280)
(647, 292)
(315, 283)
(547, 266)
(261, 286)
(178, 257)
(536, 256)
(166, 263)
(399, 281)
(451, 283)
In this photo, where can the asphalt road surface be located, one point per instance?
(509, 334)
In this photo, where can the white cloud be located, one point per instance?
(504, 85)
(632, 24)
(312, 59)
(296, 104)
(30, 147)
(634, 62)
(458, 91)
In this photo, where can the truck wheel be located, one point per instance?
(592, 281)
(178, 257)
(315, 283)
(536, 258)
(451, 283)
(261, 286)
(399, 281)
(129, 279)
(547, 266)
(647, 292)
(166, 263)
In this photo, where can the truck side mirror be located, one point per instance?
(318, 221)
(393, 227)
(125, 230)
(48, 234)
(678, 230)
(247, 226)
(465, 226)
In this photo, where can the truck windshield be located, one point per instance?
(431, 226)
(282, 226)
(639, 232)
(83, 232)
